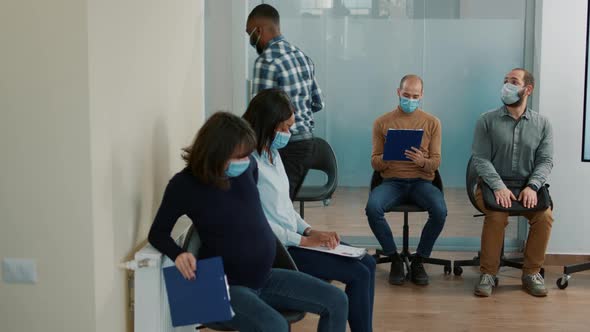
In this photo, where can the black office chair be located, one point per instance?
(192, 244)
(407, 209)
(471, 182)
(324, 160)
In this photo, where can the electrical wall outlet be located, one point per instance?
(19, 271)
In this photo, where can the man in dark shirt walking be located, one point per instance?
(284, 66)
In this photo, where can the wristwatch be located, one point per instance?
(532, 186)
(307, 231)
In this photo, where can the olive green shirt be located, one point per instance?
(506, 147)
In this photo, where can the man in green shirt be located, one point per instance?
(513, 141)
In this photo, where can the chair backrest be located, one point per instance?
(376, 180)
(192, 244)
(324, 160)
(192, 241)
(471, 179)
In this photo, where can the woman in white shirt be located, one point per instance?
(271, 116)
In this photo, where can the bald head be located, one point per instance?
(410, 87)
(411, 79)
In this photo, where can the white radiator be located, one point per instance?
(151, 310)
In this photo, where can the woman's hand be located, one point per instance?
(319, 239)
(186, 263)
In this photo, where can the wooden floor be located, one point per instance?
(346, 215)
(448, 304)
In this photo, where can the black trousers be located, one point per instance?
(297, 157)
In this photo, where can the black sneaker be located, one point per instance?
(397, 275)
(419, 276)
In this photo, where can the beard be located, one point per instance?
(519, 102)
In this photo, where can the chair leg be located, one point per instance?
(445, 263)
(407, 260)
(563, 281)
(406, 235)
(301, 209)
(458, 265)
(569, 269)
(380, 257)
(405, 254)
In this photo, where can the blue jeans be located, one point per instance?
(256, 310)
(357, 275)
(394, 192)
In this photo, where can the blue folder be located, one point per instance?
(202, 300)
(398, 141)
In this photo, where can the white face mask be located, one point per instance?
(254, 42)
(510, 93)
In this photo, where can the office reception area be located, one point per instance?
(131, 130)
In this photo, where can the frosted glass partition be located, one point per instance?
(362, 49)
(464, 69)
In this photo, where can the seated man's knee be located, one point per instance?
(548, 215)
(544, 217)
(496, 219)
(374, 207)
(438, 212)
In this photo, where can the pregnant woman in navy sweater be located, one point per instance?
(217, 191)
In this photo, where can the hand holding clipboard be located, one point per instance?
(398, 141)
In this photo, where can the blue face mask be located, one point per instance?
(280, 141)
(408, 105)
(236, 168)
(510, 94)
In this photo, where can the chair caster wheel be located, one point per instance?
(457, 270)
(562, 282)
(447, 270)
(327, 202)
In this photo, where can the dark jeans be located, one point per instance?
(394, 192)
(297, 157)
(256, 310)
(357, 275)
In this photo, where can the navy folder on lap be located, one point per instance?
(202, 300)
(398, 141)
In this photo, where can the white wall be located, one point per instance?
(45, 193)
(97, 98)
(561, 49)
(226, 56)
(218, 56)
(146, 103)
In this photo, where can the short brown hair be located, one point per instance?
(214, 145)
(529, 79)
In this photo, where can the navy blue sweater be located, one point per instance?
(231, 224)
